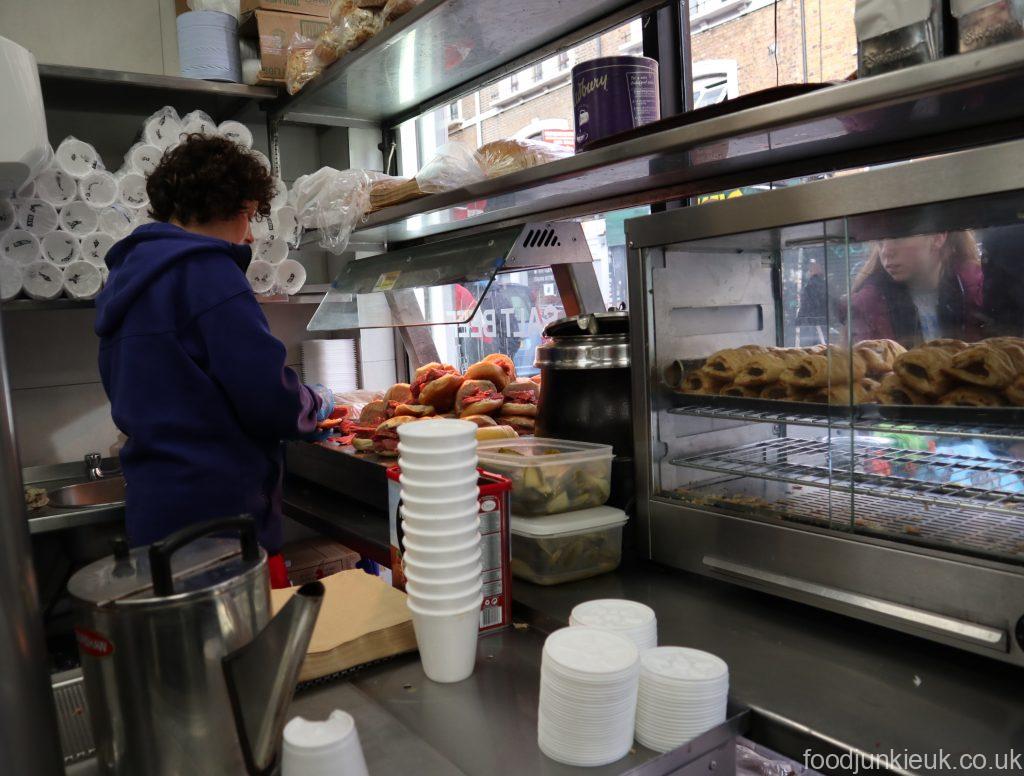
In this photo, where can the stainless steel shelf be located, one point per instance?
(859, 422)
(116, 92)
(933, 108)
(945, 479)
(25, 305)
(442, 46)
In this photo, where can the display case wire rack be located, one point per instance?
(942, 478)
(873, 418)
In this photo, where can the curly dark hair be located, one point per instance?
(208, 179)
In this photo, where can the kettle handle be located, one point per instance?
(160, 552)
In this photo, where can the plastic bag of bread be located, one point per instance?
(302, 65)
(390, 190)
(333, 201)
(398, 8)
(351, 26)
(452, 167)
(506, 156)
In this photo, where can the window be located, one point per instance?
(563, 60)
(772, 43)
(538, 72)
(455, 111)
(513, 82)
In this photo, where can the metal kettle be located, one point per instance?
(185, 670)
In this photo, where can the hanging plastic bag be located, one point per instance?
(351, 26)
(452, 167)
(507, 156)
(302, 65)
(398, 8)
(333, 201)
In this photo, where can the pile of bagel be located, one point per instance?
(488, 394)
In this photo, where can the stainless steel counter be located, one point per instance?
(818, 674)
(50, 518)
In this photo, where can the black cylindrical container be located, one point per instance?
(585, 381)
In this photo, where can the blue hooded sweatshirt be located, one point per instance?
(197, 383)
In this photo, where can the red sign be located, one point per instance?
(92, 643)
(560, 137)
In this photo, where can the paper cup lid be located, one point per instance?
(79, 218)
(36, 216)
(98, 188)
(303, 733)
(19, 246)
(60, 247)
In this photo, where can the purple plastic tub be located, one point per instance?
(613, 95)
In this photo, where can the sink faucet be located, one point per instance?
(94, 467)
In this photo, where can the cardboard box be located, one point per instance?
(495, 543)
(312, 559)
(275, 31)
(308, 7)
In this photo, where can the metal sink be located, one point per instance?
(89, 494)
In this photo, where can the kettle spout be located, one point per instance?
(261, 677)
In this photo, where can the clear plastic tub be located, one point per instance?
(550, 476)
(564, 548)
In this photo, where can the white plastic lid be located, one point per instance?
(569, 523)
(684, 664)
(613, 614)
(591, 650)
(315, 734)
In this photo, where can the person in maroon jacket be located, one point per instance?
(920, 288)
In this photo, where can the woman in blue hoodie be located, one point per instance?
(196, 381)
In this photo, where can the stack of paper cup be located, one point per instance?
(633, 620)
(60, 248)
(144, 157)
(260, 275)
(37, 216)
(19, 246)
(236, 132)
(131, 190)
(163, 128)
(95, 247)
(588, 692)
(43, 280)
(77, 158)
(441, 528)
(82, 280)
(79, 218)
(8, 219)
(272, 251)
(683, 693)
(56, 187)
(290, 277)
(313, 748)
(98, 188)
(10, 280)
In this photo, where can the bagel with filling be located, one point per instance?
(520, 399)
(478, 397)
(523, 425)
(385, 438)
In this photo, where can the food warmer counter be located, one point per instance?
(829, 389)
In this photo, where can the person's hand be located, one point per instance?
(326, 401)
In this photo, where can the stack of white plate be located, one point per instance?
(683, 693)
(588, 691)
(331, 363)
(634, 620)
(441, 528)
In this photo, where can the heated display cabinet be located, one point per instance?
(830, 386)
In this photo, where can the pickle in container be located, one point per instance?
(551, 476)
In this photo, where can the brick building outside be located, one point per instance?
(734, 51)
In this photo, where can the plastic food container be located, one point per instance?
(567, 547)
(551, 476)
